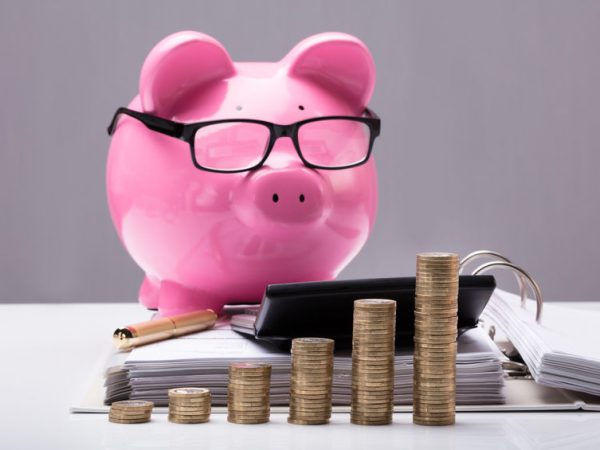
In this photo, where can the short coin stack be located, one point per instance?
(373, 338)
(436, 307)
(189, 405)
(248, 393)
(130, 411)
(312, 376)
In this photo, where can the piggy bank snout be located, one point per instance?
(294, 196)
(289, 196)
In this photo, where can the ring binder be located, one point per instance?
(479, 254)
(532, 283)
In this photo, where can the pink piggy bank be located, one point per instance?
(224, 177)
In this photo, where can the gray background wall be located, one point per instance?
(491, 130)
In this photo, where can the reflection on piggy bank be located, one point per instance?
(224, 177)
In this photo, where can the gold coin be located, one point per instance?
(188, 413)
(425, 421)
(129, 416)
(248, 402)
(250, 375)
(125, 411)
(249, 388)
(304, 403)
(316, 409)
(372, 398)
(374, 302)
(247, 415)
(249, 366)
(128, 421)
(434, 410)
(307, 421)
(304, 391)
(322, 366)
(188, 421)
(192, 402)
(244, 384)
(189, 416)
(132, 404)
(312, 341)
(360, 421)
(188, 392)
(249, 412)
(247, 421)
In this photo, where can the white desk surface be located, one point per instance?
(50, 352)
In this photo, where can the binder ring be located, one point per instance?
(534, 286)
(480, 254)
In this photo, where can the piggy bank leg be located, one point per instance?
(149, 293)
(176, 299)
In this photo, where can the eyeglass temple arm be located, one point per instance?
(164, 126)
(373, 115)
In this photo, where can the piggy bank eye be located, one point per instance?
(301, 107)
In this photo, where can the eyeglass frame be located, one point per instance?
(187, 131)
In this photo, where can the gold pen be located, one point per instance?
(164, 328)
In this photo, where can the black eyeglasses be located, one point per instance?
(239, 145)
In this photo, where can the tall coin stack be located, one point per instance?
(189, 405)
(248, 393)
(373, 338)
(130, 411)
(312, 376)
(436, 308)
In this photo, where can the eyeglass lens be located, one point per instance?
(231, 145)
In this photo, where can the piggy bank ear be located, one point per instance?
(339, 62)
(179, 64)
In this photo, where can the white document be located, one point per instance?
(563, 351)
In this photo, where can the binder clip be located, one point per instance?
(515, 366)
(501, 262)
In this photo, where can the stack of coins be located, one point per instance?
(248, 393)
(373, 338)
(189, 405)
(130, 411)
(312, 376)
(436, 307)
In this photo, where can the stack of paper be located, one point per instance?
(202, 360)
(563, 351)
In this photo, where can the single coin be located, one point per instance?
(242, 416)
(132, 405)
(191, 402)
(188, 421)
(311, 341)
(184, 410)
(129, 416)
(186, 392)
(247, 421)
(188, 413)
(246, 384)
(249, 367)
(307, 421)
(128, 421)
(360, 421)
(374, 302)
(424, 421)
